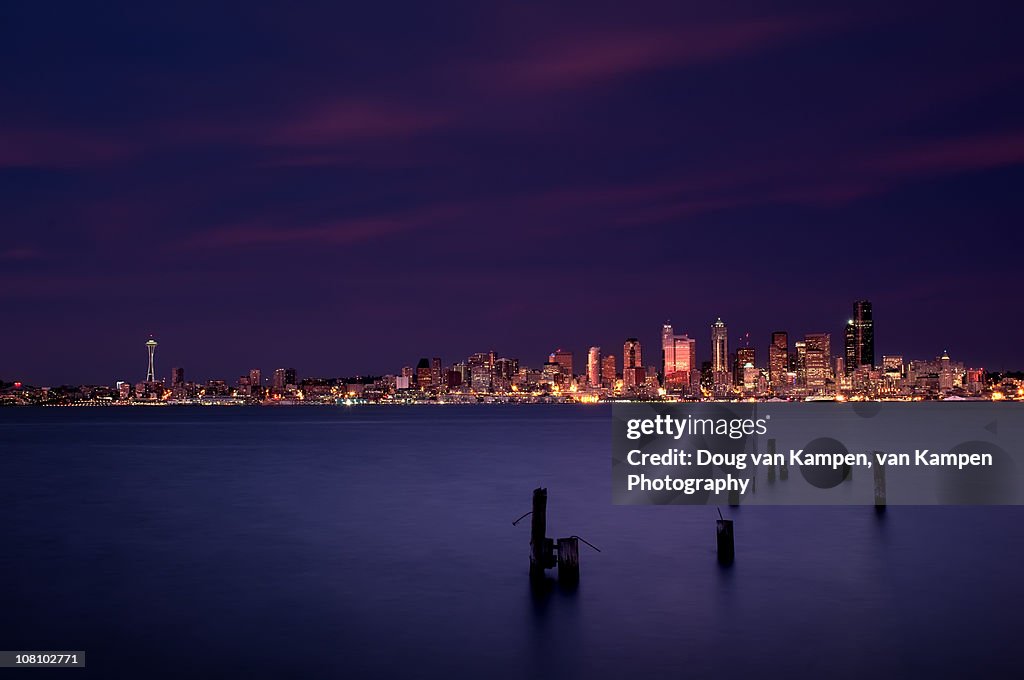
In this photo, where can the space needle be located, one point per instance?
(151, 346)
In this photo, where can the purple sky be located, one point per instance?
(346, 188)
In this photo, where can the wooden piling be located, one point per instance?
(726, 545)
(540, 545)
(568, 559)
(879, 474)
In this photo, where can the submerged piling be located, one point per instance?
(726, 544)
(547, 553)
(569, 559)
(879, 474)
(540, 545)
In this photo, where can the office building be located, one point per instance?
(719, 353)
(679, 359)
(778, 360)
(860, 337)
(594, 367)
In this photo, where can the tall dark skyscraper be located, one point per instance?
(744, 356)
(719, 353)
(506, 368)
(633, 371)
(436, 372)
(778, 359)
(631, 354)
(860, 337)
(424, 376)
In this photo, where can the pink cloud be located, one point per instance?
(589, 57)
(20, 253)
(36, 148)
(834, 179)
(334, 233)
(339, 232)
(352, 120)
(964, 154)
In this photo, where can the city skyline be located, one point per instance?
(682, 359)
(348, 185)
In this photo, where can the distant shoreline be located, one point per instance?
(486, 402)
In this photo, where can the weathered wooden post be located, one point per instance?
(540, 545)
(771, 461)
(569, 559)
(726, 545)
(546, 553)
(879, 474)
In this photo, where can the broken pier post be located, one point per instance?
(569, 559)
(540, 545)
(879, 474)
(726, 544)
(546, 553)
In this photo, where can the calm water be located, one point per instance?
(377, 542)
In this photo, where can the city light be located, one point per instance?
(796, 368)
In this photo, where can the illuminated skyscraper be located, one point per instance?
(719, 352)
(151, 348)
(480, 364)
(633, 372)
(817, 361)
(679, 358)
(594, 367)
(506, 368)
(892, 366)
(608, 376)
(631, 354)
(255, 377)
(798, 363)
(860, 337)
(946, 373)
(278, 380)
(177, 376)
(461, 374)
(424, 377)
(563, 358)
(436, 372)
(480, 378)
(744, 356)
(778, 359)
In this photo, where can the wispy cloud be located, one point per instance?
(339, 232)
(348, 120)
(953, 155)
(20, 254)
(29, 147)
(585, 57)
